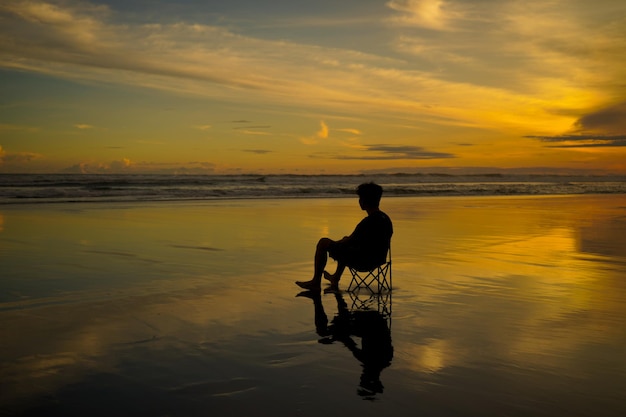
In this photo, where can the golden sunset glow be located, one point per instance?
(343, 87)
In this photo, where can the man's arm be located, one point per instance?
(345, 239)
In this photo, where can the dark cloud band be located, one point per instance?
(391, 152)
(582, 141)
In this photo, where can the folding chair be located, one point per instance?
(379, 275)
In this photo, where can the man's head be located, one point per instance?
(369, 195)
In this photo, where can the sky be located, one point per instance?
(302, 87)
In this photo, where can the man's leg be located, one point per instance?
(334, 278)
(320, 260)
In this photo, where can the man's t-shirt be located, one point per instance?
(371, 238)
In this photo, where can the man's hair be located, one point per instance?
(370, 193)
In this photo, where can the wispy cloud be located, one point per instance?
(202, 127)
(390, 152)
(123, 165)
(83, 126)
(258, 151)
(323, 132)
(254, 132)
(6, 127)
(314, 139)
(83, 42)
(431, 14)
(16, 157)
(532, 49)
(356, 132)
(253, 127)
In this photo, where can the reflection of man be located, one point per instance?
(376, 350)
(364, 249)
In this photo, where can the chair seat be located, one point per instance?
(376, 279)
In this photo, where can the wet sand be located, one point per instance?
(509, 306)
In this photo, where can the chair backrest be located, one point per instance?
(371, 261)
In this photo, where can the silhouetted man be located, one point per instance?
(364, 249)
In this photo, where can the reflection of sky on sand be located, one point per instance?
(196, 301)
(508, 280)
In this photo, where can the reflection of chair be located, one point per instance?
(379, 275)
(375, 351)
(370, 301)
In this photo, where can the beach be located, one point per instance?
(501, 305)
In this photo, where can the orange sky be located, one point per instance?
(295, 87)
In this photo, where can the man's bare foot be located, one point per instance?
(313, 295)
(309, 285)
(334, 281)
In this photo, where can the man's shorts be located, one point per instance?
(357, 258)
(345, 254)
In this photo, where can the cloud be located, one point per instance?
(126, 166)
(81, 168)
(205, 165)
(17, 157)
(351, 131)
(611, 120)
(391, 152)
(604, 128)
(431, 14)
(123, 165)
(72, 38)
(582, 141)
(202, 127)
(258, 151)
(252, 127)
(188, 168)
(529, 49)
(323, 132)
(78, 26)
(83, 126)
(536, 61)
(12, 127)
(182, 57)
(253, 130)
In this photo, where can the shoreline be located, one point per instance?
(129, 188)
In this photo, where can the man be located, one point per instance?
(364, 249)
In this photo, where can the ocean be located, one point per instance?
(67, 188)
